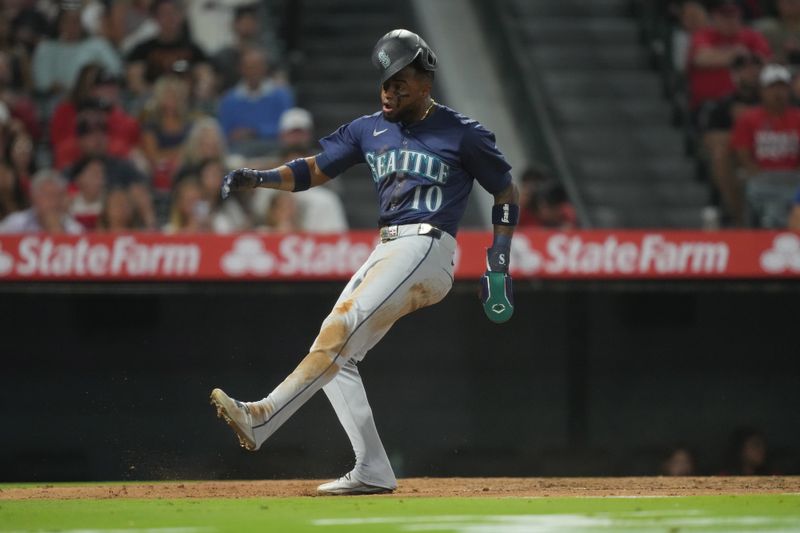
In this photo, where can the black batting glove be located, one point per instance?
(497, 295)
(239, 179)
(498, 258)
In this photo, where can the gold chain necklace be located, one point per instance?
(425, 115)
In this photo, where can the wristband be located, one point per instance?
(505, 214)
(302, 174)
(503, 241)
(267, 176)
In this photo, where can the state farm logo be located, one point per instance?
(784, 256)
(524, 258)
(650, 254)
(6, 262)
(248, 256)
(125, 255)
(295, 255)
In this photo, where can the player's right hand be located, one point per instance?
(241, 178)
(497, 295)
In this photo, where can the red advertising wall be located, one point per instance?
(297, 257)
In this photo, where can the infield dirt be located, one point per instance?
(424, 487)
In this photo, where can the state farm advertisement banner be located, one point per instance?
(298, 257)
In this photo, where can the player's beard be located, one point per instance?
(406, 115)
(396, 116)
(399, 113)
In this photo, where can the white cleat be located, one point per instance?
(347, 485)
(237, 416)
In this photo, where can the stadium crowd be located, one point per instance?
(126, 114)
(736, 88)
(120, 115)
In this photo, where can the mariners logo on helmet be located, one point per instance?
(398, 49)
(383, 57)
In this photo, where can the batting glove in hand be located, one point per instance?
(241, 178)
(497, 258)
(497, 294)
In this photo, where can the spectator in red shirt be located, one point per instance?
(93, 141)
(68, 150)
(96, 90)
(767, 137)
(716, 123)
(713, 50)
(552, 209)
(767, 144)
(62, 122)
(544, 202)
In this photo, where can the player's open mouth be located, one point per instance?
(387, 108)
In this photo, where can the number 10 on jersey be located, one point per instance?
(432, 197)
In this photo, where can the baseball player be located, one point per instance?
(424, 158)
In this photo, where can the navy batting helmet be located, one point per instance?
(398, 49)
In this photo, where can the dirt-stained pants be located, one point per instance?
(400, 276)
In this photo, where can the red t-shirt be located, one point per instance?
(567, 218)
(773, 141)
(714, 83)
(24, 110)
(123, 132)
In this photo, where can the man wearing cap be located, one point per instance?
(424, 158)
(104, 99)
(767, 144)
(296, 128)
(93, 142)
(713, 50)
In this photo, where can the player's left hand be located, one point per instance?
(497, 294)
(241, 178)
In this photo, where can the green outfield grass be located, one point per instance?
(379, 514)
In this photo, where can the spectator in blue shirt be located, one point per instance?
(252, 110)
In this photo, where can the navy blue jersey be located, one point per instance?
(423, 172)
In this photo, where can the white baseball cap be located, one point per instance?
(295, 118)
(774, 74)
